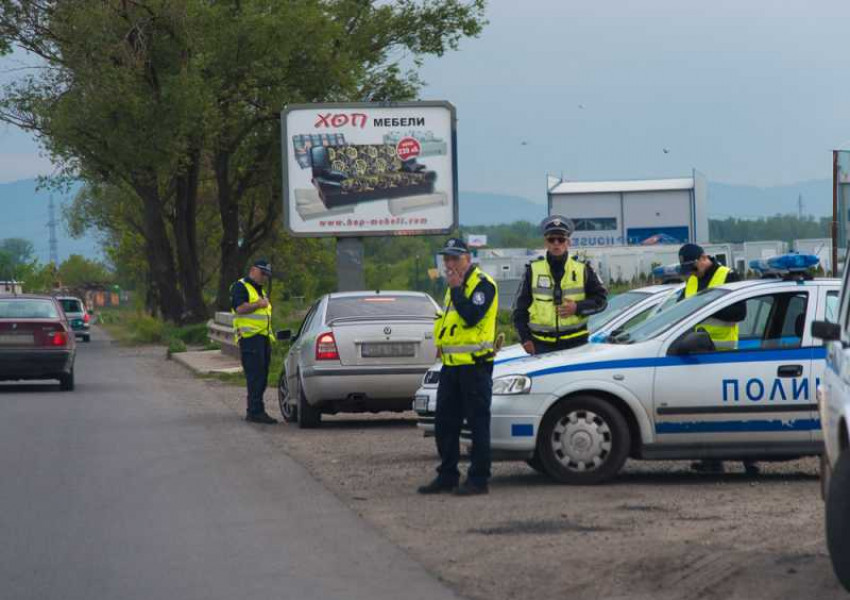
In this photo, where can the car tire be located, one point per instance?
(583, 440)
(535, 463)
(87, 338)
(288, 409)
(309, 417)
(838, 519)
(66, 381)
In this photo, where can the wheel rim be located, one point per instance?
(286, 408)
(581, 441)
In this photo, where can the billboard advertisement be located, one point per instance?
(361, 169)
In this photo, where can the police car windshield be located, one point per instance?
(661, 322)
(616, 306)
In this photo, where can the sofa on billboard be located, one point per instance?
(354, 173)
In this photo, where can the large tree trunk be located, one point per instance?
(232, 258)
(186, 241)
(159, 255)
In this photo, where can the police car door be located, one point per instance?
(754, 398)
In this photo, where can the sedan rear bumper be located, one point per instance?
(34, 363)
(362, 388)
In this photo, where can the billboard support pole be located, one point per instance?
(834, 212)
(349, 264)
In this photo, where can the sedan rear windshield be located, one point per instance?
(71, 306)
(27, 309)
(380, 306)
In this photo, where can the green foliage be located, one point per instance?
(778, 227)
(176, 345)
(77, 270)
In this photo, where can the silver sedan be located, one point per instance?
(357, 352)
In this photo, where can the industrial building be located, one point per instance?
(633, 213)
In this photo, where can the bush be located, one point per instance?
(176, 345)
(146, 329)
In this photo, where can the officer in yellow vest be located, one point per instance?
(464, 335)
(253, 324)
(701, 272)
(557, 295)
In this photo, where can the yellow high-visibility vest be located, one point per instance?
(254, 323)
(722, 333)
(460, 344)
(543, 319)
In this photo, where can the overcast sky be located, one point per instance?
(752, 91)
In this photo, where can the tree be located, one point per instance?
(160, 98)
(19, 250)
(78, 270)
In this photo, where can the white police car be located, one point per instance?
(661, 390)
(834, 409)
(624, 311)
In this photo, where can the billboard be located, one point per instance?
(357, 169)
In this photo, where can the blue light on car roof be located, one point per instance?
(667, 271)
(787, 263)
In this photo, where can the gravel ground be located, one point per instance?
(658, 531)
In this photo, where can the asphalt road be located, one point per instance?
(131, 487)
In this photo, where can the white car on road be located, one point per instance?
(834, 408)
(662, 391)
(623, 312)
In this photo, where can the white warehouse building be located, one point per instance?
(633, 213)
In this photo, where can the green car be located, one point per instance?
(78, 317)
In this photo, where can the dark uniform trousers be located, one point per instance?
(464, 392)
(544, 347)
(256, 354)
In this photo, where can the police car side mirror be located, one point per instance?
(283, 335)
(828, 332)
(692, 342)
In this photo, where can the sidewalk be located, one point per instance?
(206, 362)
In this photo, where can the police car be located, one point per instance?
(834, 410)
(624, 311)
(662, 391)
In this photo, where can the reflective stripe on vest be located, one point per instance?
(723, 334)
(543, 320)
(458, 343)
(254, 323)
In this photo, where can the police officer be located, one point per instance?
(557, 294)
(464, 335)
(253, 324)
(701, 272)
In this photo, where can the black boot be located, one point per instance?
(261, 418)
(467, 488)
(437, 486)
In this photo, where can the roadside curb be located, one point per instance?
(208, 362)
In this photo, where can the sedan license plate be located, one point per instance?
(391, 350)
(16, 339)
(77, 324)
(420, 404)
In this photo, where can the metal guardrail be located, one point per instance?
(220, 330)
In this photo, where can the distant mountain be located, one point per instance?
(25, 215)
(482, 208)
(725, 200)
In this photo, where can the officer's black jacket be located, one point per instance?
(473, 309)
(596, 296)
(239, 293)
(733, 314)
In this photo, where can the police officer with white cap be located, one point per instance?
(557, 295)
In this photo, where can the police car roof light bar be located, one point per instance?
(789, 266)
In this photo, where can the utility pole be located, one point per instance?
(51, 225)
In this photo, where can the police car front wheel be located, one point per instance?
(838, 519)
(583, 440)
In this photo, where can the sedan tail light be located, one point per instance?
(56, 338)
(326, 347)
(86, 317)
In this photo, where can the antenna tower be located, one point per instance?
(51, 225)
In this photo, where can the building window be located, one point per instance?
(596, 224)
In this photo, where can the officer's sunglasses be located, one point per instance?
(556, 239)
